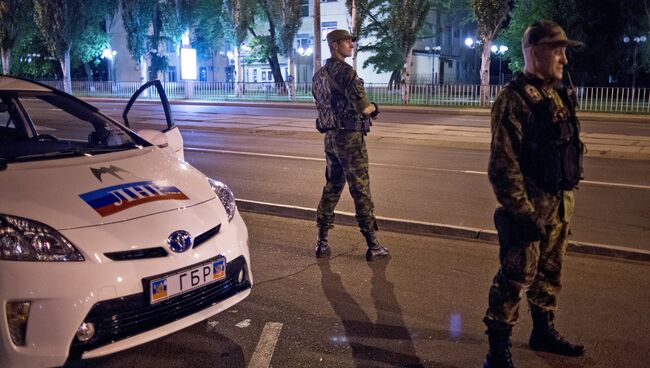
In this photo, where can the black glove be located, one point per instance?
(531, 228)
(375, 113)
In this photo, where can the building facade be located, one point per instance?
(440, 55)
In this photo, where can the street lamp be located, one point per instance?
(109, 55)
(473, 44)
(637, 40)
(499, 50)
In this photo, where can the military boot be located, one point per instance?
(375, 250)
(499, 355)
(322, 248)
(546, 338)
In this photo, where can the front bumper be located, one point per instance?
(65, 294)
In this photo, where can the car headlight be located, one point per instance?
(226, 197)
(27, 240)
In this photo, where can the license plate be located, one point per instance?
(179, 282)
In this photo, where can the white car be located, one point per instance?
(107, 239)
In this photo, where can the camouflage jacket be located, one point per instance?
(348, 108)
(518, 193)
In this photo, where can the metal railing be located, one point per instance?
(596, 99)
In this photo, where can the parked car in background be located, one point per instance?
(108, 239)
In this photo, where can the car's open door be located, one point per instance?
(167, 137)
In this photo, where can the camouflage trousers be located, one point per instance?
(533, 267)
(347, 160)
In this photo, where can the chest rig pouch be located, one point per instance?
(551, 148)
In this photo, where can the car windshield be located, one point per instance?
(47, 125)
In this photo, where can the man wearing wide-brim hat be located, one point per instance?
(535, 164)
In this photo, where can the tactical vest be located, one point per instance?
(551, 152)
(336, 110)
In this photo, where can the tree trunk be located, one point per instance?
(317, 37)
(6, 59)
(65, 69)
(144, 72)
(353, 21)
(291, 78)
(89, 72)
(239, 75)
(485, 73)
(406, 77)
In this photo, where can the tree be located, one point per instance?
(396, 26)
(62, 23)
(284, 20)
(88, 48)
(489, 15)
(14, 21)
(209, 33)
(605, 57)
(358, 14)
(290, 22)
(137, 15)
(237, 18)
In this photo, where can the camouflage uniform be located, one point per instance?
(345, 150)
(533, 266)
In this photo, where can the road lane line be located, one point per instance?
(264, 351)
(271, 155)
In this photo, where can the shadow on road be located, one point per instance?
(386, 342)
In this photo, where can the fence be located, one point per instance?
(597, 99)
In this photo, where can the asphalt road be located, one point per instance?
(421, 308)
(421, 183)
(411, 179)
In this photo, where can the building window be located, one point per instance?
(171, 74)
(170, 46)
(329, 1)
(255, 75)
(327, 27)
(203, 74)
(305, 8)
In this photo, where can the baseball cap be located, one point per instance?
(339, 35)
(546, 32)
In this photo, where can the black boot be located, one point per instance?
(375, 250)
(546, 338)
(499, 355)
(322, 248)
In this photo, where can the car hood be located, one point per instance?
(86, 191)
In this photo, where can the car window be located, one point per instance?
(44, 126)
(74, 123)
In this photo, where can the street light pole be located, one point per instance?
(637, 40)
(499, 50)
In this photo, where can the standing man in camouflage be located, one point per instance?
(345, 147)
(535, 163)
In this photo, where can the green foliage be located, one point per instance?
(395, 24)
(208, 35)
(42, 66)
(259, 50)
(489, 15)
(290, 20)
(600, 24)
(137, 16)
(237, 18)
(523, 14)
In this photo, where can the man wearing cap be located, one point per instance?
(535, 163)
(345, 149)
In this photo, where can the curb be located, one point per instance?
(433, 229)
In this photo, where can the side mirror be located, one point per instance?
(154, 137)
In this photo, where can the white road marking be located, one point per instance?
(257, 154)
(264, 351)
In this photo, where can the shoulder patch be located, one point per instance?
(533, 93)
